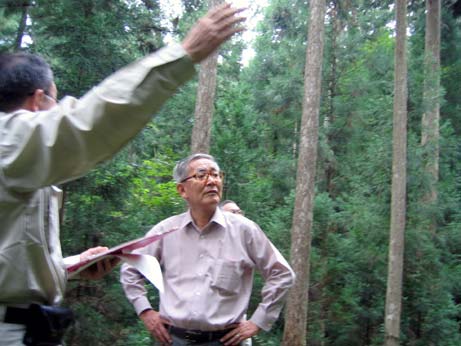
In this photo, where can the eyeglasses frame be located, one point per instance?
(207, 176)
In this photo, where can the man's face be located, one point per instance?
(232, 208)
(202, 194)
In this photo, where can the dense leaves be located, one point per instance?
(255, 138)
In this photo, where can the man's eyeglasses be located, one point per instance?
(50, 97)
(203, 175)
(47, 95)
(236, 211)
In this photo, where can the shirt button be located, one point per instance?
(201, 255)
(197, 293)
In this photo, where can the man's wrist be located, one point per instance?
(140, 304)
(145, 311)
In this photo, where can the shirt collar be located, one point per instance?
(217, 218)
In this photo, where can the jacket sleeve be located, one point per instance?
(63, 143)
(278, 276)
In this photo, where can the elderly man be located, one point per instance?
(45, 142)
(208, 266)
(231, 207)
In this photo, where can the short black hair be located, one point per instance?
(20, 75)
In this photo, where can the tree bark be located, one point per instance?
(431, 102)
(22, 25)
(329, 162)
(296, 313)
(399, 165)
(204, 106)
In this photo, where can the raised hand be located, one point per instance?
(210, 31)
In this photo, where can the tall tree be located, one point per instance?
(431, 102)
(327, 164)
(296, 316)
(399, 166)
(22, 24)
(204, 106)
(13, 20)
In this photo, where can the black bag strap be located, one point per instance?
(17, 315)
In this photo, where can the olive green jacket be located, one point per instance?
(50, 147)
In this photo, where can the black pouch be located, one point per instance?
(47, 325)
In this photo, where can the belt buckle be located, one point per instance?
(192, 336)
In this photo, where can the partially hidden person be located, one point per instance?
(208, 266)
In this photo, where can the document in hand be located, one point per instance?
(146, 264)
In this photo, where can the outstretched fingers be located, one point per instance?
(224, 12)
(216, 27)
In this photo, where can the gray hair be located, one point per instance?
(227, 201)
(181, 169)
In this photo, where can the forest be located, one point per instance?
(257, 133)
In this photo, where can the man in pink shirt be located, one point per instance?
(208, 266)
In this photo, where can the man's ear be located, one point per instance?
(181, 190)
(32, 102)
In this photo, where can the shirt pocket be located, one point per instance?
(226, 276)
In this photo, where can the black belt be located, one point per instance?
(197, 336)
(17, 315)
(45, 325)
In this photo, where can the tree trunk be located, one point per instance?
(399, 165)
(296, 313)
(431, 102)
(329, 170)
(22, 25)
(204, 106)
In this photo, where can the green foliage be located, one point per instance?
(153, 192)
(255, 138)
(9, 25)
(127, 29)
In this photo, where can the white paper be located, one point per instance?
(148, 266)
